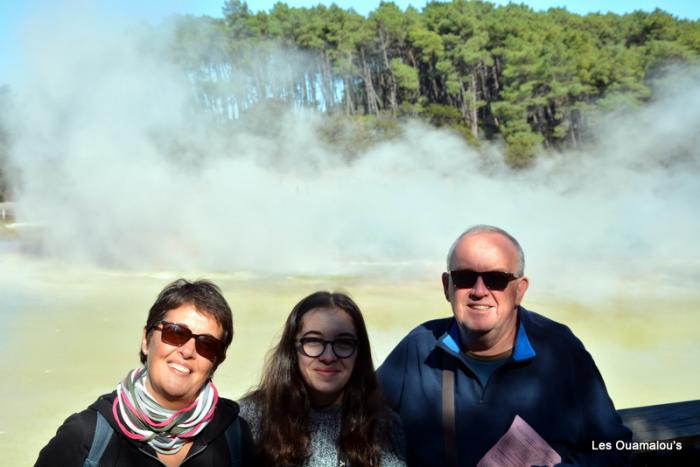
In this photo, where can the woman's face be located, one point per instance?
(176, 374)
(326, 375)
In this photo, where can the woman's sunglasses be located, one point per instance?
(178, 334)
(493, 280)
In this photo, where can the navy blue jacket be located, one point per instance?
(550, 380)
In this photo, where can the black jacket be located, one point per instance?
(70, 446)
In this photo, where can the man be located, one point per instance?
(458, 383)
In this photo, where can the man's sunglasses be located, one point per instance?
(178, 334)
(493, 280)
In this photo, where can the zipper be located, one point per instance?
(151, 456)
(194, 450)
(493, 375)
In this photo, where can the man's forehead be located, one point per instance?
(486, 243)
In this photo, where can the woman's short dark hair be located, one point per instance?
(283, 400)
(206, 298)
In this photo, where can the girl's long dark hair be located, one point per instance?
(284, 405)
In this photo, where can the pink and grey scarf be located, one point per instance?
(140, 417)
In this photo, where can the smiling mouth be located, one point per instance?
(180, 369)
(326, 371)
(480, 307)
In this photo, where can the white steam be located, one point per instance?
(99, 112)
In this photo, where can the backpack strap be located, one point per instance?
(448, 411)
(103, 433)
(233, 440)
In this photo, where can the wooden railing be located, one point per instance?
(666, 434)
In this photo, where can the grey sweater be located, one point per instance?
(324, 429)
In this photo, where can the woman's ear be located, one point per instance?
(144, 342)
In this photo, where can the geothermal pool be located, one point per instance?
(71, 332)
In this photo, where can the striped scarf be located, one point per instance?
(141, 418)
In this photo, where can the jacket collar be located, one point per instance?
(522, 350)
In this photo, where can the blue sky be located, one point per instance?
(14, 13)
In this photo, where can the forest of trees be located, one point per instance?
(531, 79)
(487, 71)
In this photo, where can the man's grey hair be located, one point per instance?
(483, 228)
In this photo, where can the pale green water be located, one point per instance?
(71, 333)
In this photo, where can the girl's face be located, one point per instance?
(327, 349)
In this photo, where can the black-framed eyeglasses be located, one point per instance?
(493, 280)
(313, 347)
(176, 334)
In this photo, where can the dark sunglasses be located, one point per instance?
(314, 347)
(178, 334)
(493, 280)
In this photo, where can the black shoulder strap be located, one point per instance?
(103, 433)
(448, 411)
(233, 440)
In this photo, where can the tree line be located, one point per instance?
(487, 71)
(531, 79)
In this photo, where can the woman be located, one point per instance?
(318, 403)
(166, 412)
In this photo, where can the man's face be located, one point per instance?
(486, 314)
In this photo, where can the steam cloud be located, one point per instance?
(99, 113)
